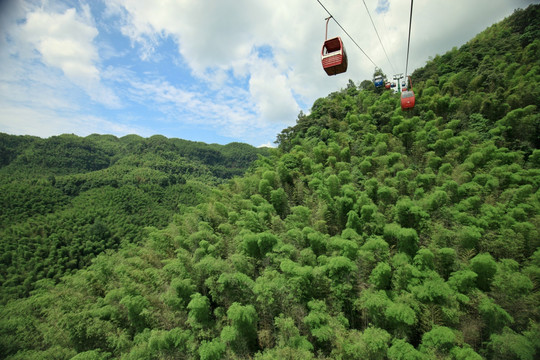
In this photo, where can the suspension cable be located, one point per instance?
(376, 32)
(345, 31)
(409, 42)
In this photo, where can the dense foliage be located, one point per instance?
(369, 233)
(66, 199)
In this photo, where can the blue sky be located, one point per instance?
(215, 71)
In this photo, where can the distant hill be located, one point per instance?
(71, 154)
(370, 233)
(66, 199)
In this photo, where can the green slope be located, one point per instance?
(369, 233)
(67, 199)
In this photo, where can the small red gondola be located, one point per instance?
(407, 98)
(387, 85)
(333, 55)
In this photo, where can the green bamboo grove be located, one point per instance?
(368, 233)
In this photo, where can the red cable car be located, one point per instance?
(407, 98)
(333, 55)
(387, 85)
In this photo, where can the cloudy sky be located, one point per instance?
(207, 70)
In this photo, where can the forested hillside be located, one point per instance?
(66, 199)
(370, 233)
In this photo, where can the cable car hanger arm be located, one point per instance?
(326, 33)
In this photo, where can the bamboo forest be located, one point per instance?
(367, 233)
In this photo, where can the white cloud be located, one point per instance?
(66, 41)
(218, 40)
(210, 33)
(48, 69)
(437, 26)
(271, 93)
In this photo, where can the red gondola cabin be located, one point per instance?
(407, 100)
(334, 57)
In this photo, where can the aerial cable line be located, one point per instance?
(409, 41)
(345, 31)
(376, 32)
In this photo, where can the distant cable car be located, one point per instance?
(407, 98)
(387, 85)
(333, 55)
(393, 85)
(378, 81)
(378, 78)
